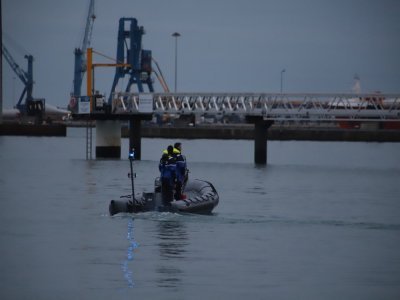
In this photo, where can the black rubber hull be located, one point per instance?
(202, 198)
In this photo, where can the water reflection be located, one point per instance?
(90, 180)
(130, 254)
(173, 241)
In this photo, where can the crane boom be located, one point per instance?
(89, 27)
(31, 106)
(25, 77)
(20, 73)
(80, 58)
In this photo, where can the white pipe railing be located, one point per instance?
(271, 106)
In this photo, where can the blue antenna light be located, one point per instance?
(132, 154)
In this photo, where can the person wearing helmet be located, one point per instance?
(181, 171)
(167, 169)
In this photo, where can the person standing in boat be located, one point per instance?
(167, 169)
(181, 171)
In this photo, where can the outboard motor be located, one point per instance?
(117, 206)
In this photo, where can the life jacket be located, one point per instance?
(167, 168)
(180, 165)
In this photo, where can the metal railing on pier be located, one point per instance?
(270, 106)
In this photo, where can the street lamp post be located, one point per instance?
(283, 71)
(176, 35)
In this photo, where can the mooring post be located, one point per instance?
(135, 136)
(260, 138)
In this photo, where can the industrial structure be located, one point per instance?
(137, 60)
(80, 58)
(27, 105)
(131, 61)
(261, 109)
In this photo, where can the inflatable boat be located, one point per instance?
(201, 197)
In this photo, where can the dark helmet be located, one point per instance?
(178, 146)
(170, 149)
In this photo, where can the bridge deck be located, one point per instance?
(328, 107)
(261, 109)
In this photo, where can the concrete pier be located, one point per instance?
(108, 139)
(33, 130)
(260, 138)
(263, 131)
(260, 141)
(275, 133)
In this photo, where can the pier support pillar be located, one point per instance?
(108, 139)
(260, 138)
(135, 136)
(135, 133)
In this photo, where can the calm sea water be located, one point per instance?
(321, 221)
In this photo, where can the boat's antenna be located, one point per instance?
(132, 175)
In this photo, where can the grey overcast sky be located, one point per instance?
(226, 45)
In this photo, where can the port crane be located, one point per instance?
(129, 51)
(135, 61)
(131, 61)
(31, 106)
(80, 66)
